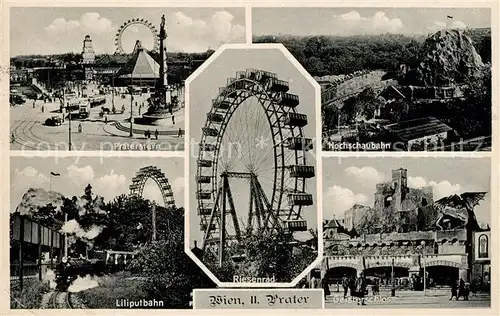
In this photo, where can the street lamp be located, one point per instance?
(393, 289)
(131, 103)
(425, 264)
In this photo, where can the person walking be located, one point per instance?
(179, 134)
(156, 134)
(360, 289)
(312, 282)
(453, 287)
(461, 288)
(80, 128)
(345, 284)
(106, 119)
(173, 119)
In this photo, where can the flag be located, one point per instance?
(55, 174)
(449, 17)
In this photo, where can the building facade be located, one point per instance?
(405, 237)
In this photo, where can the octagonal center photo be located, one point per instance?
(252, 138)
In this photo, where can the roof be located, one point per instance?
(141, 65)
(333, 224)
(417, 128)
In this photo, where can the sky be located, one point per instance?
(207, 86)
(61, 30)
(364, 21)
(109, 177)
(350, 181)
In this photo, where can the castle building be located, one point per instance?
(403, 234)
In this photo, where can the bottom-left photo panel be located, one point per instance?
(99, 233)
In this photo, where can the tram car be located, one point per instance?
(97, 100)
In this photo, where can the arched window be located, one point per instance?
(483, 246)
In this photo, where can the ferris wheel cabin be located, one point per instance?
(299, 143)
(300, 199)
(301, 171)
(297, 225)
(289, 100)
(296, 119)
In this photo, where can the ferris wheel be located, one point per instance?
(136, 21)
(252, 167)
(152, 172)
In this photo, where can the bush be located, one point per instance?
(112, 288)
(30, 296)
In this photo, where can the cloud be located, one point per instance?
(89, 22)
(440, 189)
(111, 185)
(194, 35)
(367, 176)
(30, 176)
(353, 22)
(83, 174)
(441, 25)
(338, 199)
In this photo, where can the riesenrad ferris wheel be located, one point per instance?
(252, 168)
(136, 21)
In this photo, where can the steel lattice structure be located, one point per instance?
(152, 172)
(277, 209)
(124, 26)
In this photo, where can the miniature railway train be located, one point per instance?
(100, 263)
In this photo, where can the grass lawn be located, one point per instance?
(112, 288)
(31, 295)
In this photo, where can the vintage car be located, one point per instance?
(53, 121)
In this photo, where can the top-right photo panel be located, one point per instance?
(392, 79)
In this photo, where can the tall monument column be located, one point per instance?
(163, 82)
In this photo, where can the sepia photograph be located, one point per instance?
(99, 233)
(108, 78)
(252, 167)
(392, 79)
(407, 233)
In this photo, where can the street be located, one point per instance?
(409, 299)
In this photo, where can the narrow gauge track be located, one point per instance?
(60, 300)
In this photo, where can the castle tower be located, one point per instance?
(400, 186)
(88, 53)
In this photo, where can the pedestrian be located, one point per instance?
(312, 282)
(325, 286)
(43, 108)
(345, 284)
(80, 128)
(34, 103)
(156, 134)
(145, 134)
(466, 291)
(12, 138)
(106, 119)
(149, 134)
(179, 134)
(360, 286)
(453, 286)
(173, 119)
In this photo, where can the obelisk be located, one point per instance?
(162, 88)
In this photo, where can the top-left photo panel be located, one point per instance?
(104, 79)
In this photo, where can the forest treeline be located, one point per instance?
(335, 55)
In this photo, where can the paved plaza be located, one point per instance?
(409, 299)
(30, 132)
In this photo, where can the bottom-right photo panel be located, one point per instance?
(406, 232)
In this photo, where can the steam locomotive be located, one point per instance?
(101, 263)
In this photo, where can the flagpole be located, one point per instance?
(50, 182)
